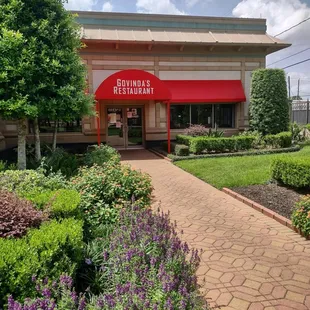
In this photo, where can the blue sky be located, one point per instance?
(280, 15)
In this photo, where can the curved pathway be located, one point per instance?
(249, 261)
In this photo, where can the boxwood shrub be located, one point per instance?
(52, 250)
(165, 146)
(220, 145)
(183, 139)
(60, 204)
(301, 216)
(293, 172)
(181, 150)
(281, 140)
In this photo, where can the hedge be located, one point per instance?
(281, 140)
(181, 150)
(186, 140)
(174, 158)
(52, 250)
(220, 145)
(60, 204)
(293, 172)
(269, 108)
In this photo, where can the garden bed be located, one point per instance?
(174, 158)
(277, 198)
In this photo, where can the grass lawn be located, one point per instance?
(235, 171)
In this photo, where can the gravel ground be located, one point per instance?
(272, 196)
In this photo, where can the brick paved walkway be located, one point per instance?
(249, 261)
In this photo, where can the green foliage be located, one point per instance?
(297, 132)
(292, 171)
(301, 216)
(165, 146)
(269, 108)
(5, 166)
(41, 73)
(28, 181)
(307, 126)
(200, 130)
(2, 165)
(60, 160)
(259, 142)
(281, 140)
(181, 150)
(63, 203)
(98, 155)
(52, 250)
(183, 139)
(220, 145)
(106, 189)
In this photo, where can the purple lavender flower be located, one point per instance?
(88, 261)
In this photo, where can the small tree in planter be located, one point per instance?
(269, 108)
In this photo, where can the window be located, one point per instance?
(182, 115)
(225, 115)
(201, 114)
(47, 126)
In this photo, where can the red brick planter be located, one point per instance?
(279, 218)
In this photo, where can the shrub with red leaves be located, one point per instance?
(17, 215)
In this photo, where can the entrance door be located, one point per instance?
(125, 127)
(116, 127)
(134, 127)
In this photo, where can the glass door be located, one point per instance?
(134, 128)
(116, 137)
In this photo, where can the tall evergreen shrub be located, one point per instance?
(269, 108)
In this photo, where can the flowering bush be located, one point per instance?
(105, 189)
(200, 130)
(98, 155)
(301, 216)
(17, 215)
(55, 295)
(142, 265)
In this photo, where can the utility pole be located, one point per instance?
(298, 89)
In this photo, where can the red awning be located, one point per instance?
(206, 91)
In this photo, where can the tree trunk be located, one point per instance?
(37, 142)
(55, 136)
(21, 145)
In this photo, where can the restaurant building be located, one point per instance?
(154, 75)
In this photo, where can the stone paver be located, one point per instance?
(249, 261)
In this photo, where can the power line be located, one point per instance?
(297, 63)
(286, 30)
(289, 56)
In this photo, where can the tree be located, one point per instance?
(296, 98)
(56, 83)
(269, 107)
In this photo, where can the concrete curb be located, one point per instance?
(160, 155)
(279, 218)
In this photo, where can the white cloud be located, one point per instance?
(107, 7)
(80, 5)
(158, 7)
(191, 3)
(280, 14)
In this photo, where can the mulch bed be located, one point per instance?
(272, 196)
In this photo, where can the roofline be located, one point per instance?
(182, 18)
